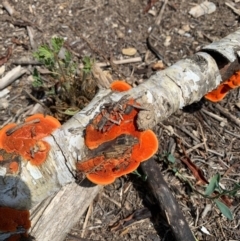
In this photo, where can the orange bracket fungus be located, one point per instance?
(14, 221)
(220, 92)
(120, 86)
(26, 139)
(116, 145)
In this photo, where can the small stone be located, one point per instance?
(120, 34)
(152, 12)
(186, 27)
(202, 9)
(129, 51)
(167, 41)
(158, 66)
(181, 32)
(4, 104)
(114, 25)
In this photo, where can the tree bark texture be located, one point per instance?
(183, 83)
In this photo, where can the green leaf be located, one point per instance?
(57, 44)
(87, 65)
(70, 111)
(37, 79)
(214, 183)
(135, 172)
(171, 158)
(142, 176)
(224, 209)
(45, 55)
(43, 52)
(68, 58)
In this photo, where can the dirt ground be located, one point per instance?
(109, 26)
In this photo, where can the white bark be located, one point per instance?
(165, 92)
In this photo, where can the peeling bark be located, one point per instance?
(165, 92)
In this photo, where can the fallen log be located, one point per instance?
(50, 191)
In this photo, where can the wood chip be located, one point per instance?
(202, 9)
(129, 51)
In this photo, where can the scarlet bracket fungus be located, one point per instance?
(222, 90)
(25, 139)
(120, 86)
(118, 147)
(11, 220)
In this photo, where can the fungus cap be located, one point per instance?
(221, 91)
(104, 170)
(119, 85)
(25, 139)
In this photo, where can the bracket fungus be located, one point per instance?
(26, 139)
(119, 85)
(221, 91)
(14, 221)
(116, 145)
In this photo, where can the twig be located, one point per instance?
(216, 153)
(31, 37)
(219, 222)
(231, 133)
(216, 117)
(36, 100)
(11, 76)
(19, 126)
(156, 23)
(8, 7)
(206, 210)
(194, 147)
(235, 10)
(159, 17)
(203, 137)
(25, 62)
(183, 129)
(225, 112)
(172, 132)
(113, 201)
(12, 12)
(86, 219)
(122, 61)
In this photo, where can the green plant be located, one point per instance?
(87, 65)
(66, 90)
(216, 192)
(213, 191)
(37, 83)
(142, 176)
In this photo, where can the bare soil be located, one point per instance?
(109, 26)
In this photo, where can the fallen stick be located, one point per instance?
(11, 76)
(166, 202)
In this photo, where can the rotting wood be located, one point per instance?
(166, 202)
(165, 92)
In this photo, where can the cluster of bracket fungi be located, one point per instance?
(116, 145)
